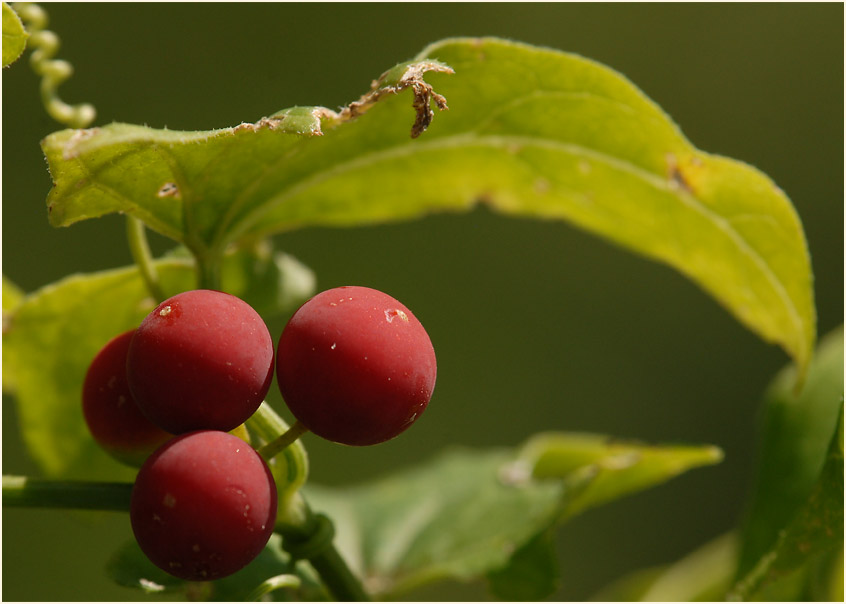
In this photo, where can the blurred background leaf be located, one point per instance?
(795, 437)
(790, 544)
(814, 531)
(796, 510)
(467, 514)
(604, 468)
(703, 575)
(12, 297)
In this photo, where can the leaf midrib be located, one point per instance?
(222, 232)
(506, 141)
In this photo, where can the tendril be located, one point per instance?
(53, 72)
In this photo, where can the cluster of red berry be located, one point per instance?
(353, 365)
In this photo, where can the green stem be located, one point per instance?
(272, 584)
(208, 270)
(314, 541)
(290, 467)
(140, 249)
(338, 577)
(274, 447)
(21, 491)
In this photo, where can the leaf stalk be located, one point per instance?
(136, 235)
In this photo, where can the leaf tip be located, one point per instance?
(713, 454)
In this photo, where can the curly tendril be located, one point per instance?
(53, 72)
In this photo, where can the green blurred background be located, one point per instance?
(537, 326)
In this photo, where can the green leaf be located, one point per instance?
(816, 529)
(602, 469)
(629, 588)
(53, 337)
(451, 518)
(793, 450)
(14, 36)
(529, 131)
(531, 573)
(56, 331)
(129, 567)
(703, 575)
(467, 514)
(775, 561)
(271, 282)
(12, 297)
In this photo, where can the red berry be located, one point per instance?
(201, 360)
(203, 505)
(355, 366)
(110, 411)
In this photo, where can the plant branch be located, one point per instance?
(311, 540)
(22, 491)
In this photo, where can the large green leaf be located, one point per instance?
(469, 514)
(54, 333)
(14, 36)
(529, 131)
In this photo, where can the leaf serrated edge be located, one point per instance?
(11, 23)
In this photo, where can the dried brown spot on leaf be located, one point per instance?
(411, 77)
(309, 120)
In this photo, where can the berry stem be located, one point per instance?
(289, 467)
(274, 447)
(23, 491)
(137, 237)
(271, 428)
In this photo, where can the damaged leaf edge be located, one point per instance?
(395, 80)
